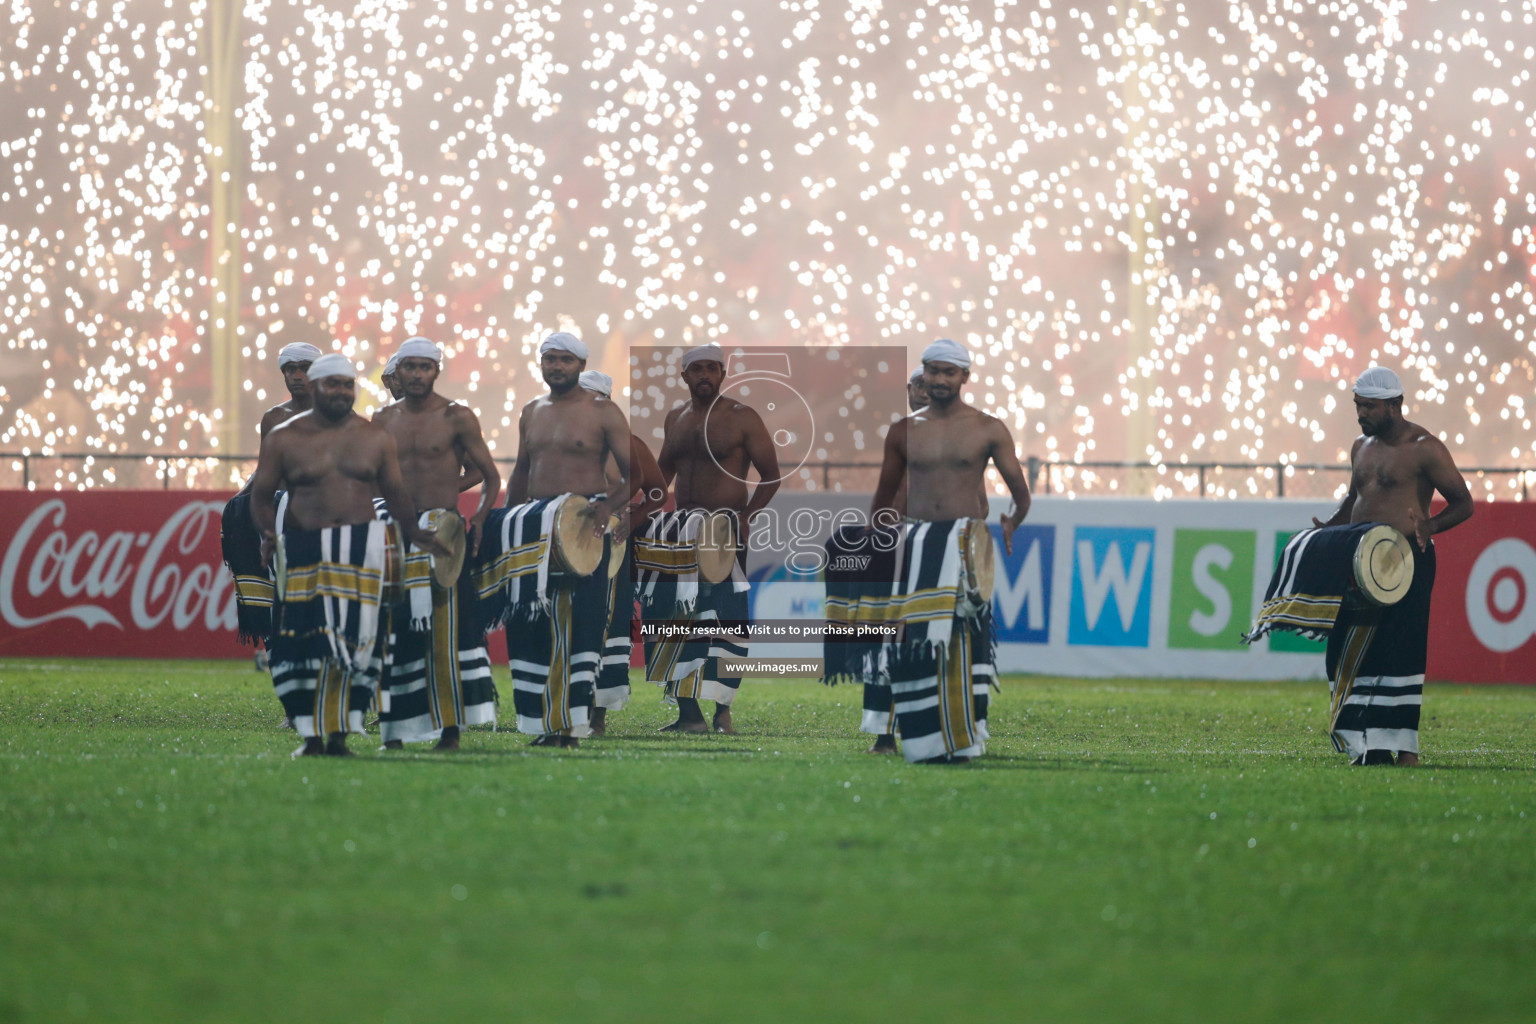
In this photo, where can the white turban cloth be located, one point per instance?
(594, 380)
(419, 348)
(1377, 382)
(298, 352)
(702, 353)
(392, 365)
(333, 365)
(946, 351)
(917, 375)
(560, 341)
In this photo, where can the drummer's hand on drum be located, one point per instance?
(1422, 528)
(476, 528)
(1010, 522)
(623, 528)
(427, 541)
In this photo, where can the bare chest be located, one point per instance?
(935, 446)
(572, 431)
(315, 461)
(424, 436)
(1380, 469)
(695, 436)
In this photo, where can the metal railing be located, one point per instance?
(208, 470)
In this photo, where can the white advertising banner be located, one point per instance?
(1094, 587)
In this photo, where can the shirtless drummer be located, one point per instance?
(1396, 468)
(332, 462)
(438, 684)
(942, 452)
(565, 439)
(708, 470)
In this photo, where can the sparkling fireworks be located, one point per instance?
(1171, 231)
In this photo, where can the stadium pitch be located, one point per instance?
(1135, 850)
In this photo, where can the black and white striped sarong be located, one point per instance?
(327, 633)
(671, 589)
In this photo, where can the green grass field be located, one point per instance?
(1150, 851)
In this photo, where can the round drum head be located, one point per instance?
(576, 549)
(717, 547)
(1383, 565)
(979, 559)
(450, 534)
(616, 549)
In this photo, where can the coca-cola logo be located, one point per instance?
(169, 581)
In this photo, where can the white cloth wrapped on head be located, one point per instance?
(297, 352)
(419, 348)
(333, 365)
(392, 365)
(595, 380)
(712, 353)
(1380, 383)
(946, 351)
(562, 341)
(917, 376)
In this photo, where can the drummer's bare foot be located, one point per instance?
(1407, 759)
(337, 745)
(883, 745)
(449, 740)
(569, 742)
(394, 744)
(722, 722)
(313, 746)
(689, 718)
(599, 721)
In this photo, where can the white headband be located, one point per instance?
(1379, 382)
(946, 351)
(392, 365)
(560, 341)
(298, 352)
(419, 348)
(333, 365)
(594, 380)
(917, 375)
(711, 353)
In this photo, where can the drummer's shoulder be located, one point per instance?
(1427, 442)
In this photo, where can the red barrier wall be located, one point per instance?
(139, 574)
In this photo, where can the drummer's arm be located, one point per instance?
(269, 466)
(616, 441)
(765, 460)
(882, 509)
(1345, 511)
(517, 483)
(653, 486)
(1446, 479)
(1007, 462)
(478, 456)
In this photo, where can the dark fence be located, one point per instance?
(1182, 479)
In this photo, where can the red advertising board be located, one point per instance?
(1483, 625)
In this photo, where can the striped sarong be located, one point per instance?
(670, 589)
(556, 624)
(613, 679)
(931, 684)
(439, 676)
(1375, 656)
(326, 657)
(254, 593)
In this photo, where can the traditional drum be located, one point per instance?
(717, 547)
(978, 566)
(616, 549)
(450, 534)
(392, 591)
(576, 550)
(1383, 566)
